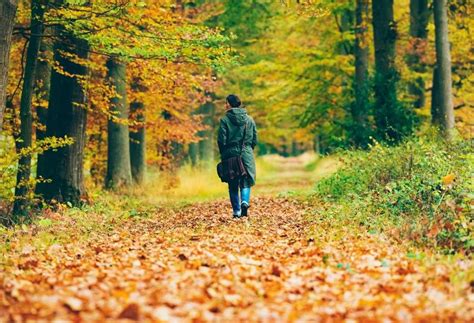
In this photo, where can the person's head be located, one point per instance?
(233, 101)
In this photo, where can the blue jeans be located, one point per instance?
(237, 200)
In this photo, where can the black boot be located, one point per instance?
(244, 207)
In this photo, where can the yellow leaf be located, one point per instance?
(448, 179)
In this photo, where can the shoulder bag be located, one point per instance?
(233, 167)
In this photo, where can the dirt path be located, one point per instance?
(198, 264)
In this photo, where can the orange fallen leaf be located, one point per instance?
(131, 312)
(448, 179)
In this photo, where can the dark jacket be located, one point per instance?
(231, 131)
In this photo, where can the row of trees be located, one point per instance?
(364, 71)
(91, 73)
(89, 80)
(390, 117)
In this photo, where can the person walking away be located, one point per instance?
(238, 137)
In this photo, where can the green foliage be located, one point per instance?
(312, 165)
(9, 160)
(423, 186)
(296, 75)
(142, 30)
(243, 19)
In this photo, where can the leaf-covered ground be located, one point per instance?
(197, 263)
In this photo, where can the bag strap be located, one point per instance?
(243, 138)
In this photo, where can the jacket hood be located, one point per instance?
(238, 116)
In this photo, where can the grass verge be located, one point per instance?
(420, 190)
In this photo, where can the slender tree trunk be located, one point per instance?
(419, 17)
(344, 23)
(43, 85)
(295, 151)
(387, 115)
(137, 143)
(435, 98)
(193, 153)
(206, 145)
(360, 108)
(26, 115)
(67, 116)
(445, 116)
(7, 20)
(317, 142)
(119, 173)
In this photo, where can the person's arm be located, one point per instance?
(254, 135)
(222, 136)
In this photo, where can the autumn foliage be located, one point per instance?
(110, 208)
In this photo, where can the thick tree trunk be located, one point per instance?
(67, 116)
(387, 114)
(43, 85)
(7, 20)
(26, 115)
(360, 108)
(137, 143)
(119, 173)
(206, 145)
(444, 118)
(419, 17)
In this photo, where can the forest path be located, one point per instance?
(197, 263)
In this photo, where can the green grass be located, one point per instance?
(420, 190)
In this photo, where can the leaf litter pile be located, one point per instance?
(199, 264)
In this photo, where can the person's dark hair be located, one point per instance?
(234, 101)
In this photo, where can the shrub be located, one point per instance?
(9, 158)
(423, 186)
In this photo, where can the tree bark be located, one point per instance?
(206, 144)
(137, 144)
(435, 91)
(419, 17)
(387, 114)
(67, 116)
(7, 20)
(193, 152)
(119, 173)
(43, 85)
(26, 115)
(317, 144)
(360, 108)
(444, 118)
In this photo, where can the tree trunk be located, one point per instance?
(435, 91)
(295, 151)
(206, 145)
(119, 173)
(344, 23)
(317, 142)
(443, 91)
(7, 20)
(360, 108)
(26, 116)
(193, 152)
(387, 114)
(137, 143)
(419, 16)
(67, 116)
(43, 84)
